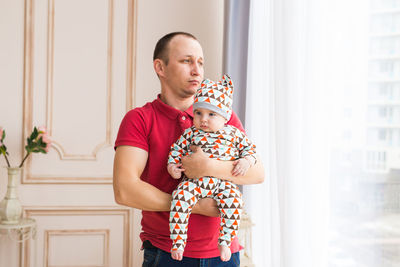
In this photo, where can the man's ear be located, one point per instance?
(158, 65)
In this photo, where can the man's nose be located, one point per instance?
(195, 69)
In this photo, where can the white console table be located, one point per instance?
(20, 232)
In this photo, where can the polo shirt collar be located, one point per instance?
(171, 112)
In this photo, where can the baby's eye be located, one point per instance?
(212, 114)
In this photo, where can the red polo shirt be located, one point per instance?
(154, 127)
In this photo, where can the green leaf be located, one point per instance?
(34, 134)
(3, 150)
(4, 135)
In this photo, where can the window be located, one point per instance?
(370, 235)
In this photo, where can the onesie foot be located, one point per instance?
(177, 254)
(224, 252)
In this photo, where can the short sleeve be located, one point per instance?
(133, 130)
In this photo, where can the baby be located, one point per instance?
(212, 109)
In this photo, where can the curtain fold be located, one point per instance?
(306, 61)
(286, 115)
(262, 200)
(236, 50)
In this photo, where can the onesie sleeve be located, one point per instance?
(244, 145)
(180, 147)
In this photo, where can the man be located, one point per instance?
(141, 179)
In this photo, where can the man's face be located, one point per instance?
(184, 71)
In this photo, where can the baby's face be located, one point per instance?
(207, 120)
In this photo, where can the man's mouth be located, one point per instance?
(194, 82)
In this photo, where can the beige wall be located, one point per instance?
(49, 201)
(203, 18)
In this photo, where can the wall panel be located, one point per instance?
(78, 83)
(79, 236)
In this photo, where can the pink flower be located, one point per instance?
(42, 129)
(47, 148)
(46, 139)
(43, 134)
(33, 145)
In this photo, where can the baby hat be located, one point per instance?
(215, 96)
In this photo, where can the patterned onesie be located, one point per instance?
(229, 143)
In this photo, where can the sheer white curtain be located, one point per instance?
(301, 59)
(262, 200)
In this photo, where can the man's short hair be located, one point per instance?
(161, 49)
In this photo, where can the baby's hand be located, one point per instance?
(175, 170)
(241, 166)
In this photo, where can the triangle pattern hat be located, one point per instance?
(215, 96)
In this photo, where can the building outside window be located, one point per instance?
(365, 192)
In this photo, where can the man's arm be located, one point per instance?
(198, 164)
(130, 190)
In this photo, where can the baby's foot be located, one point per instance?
(224, 252)
(177, 255)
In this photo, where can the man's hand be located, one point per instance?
(206, 207)
(196, 163)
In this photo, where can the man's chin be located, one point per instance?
(190, 92)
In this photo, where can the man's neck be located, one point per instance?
(176, 102)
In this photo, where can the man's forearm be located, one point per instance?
(147, 197)
(223, 170)
(198, 164)
(131, 191)
(141, 195)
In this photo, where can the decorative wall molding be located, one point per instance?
(105, 233)
(131, 59)
(127, 215)
(30, 70)
(50, 86)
